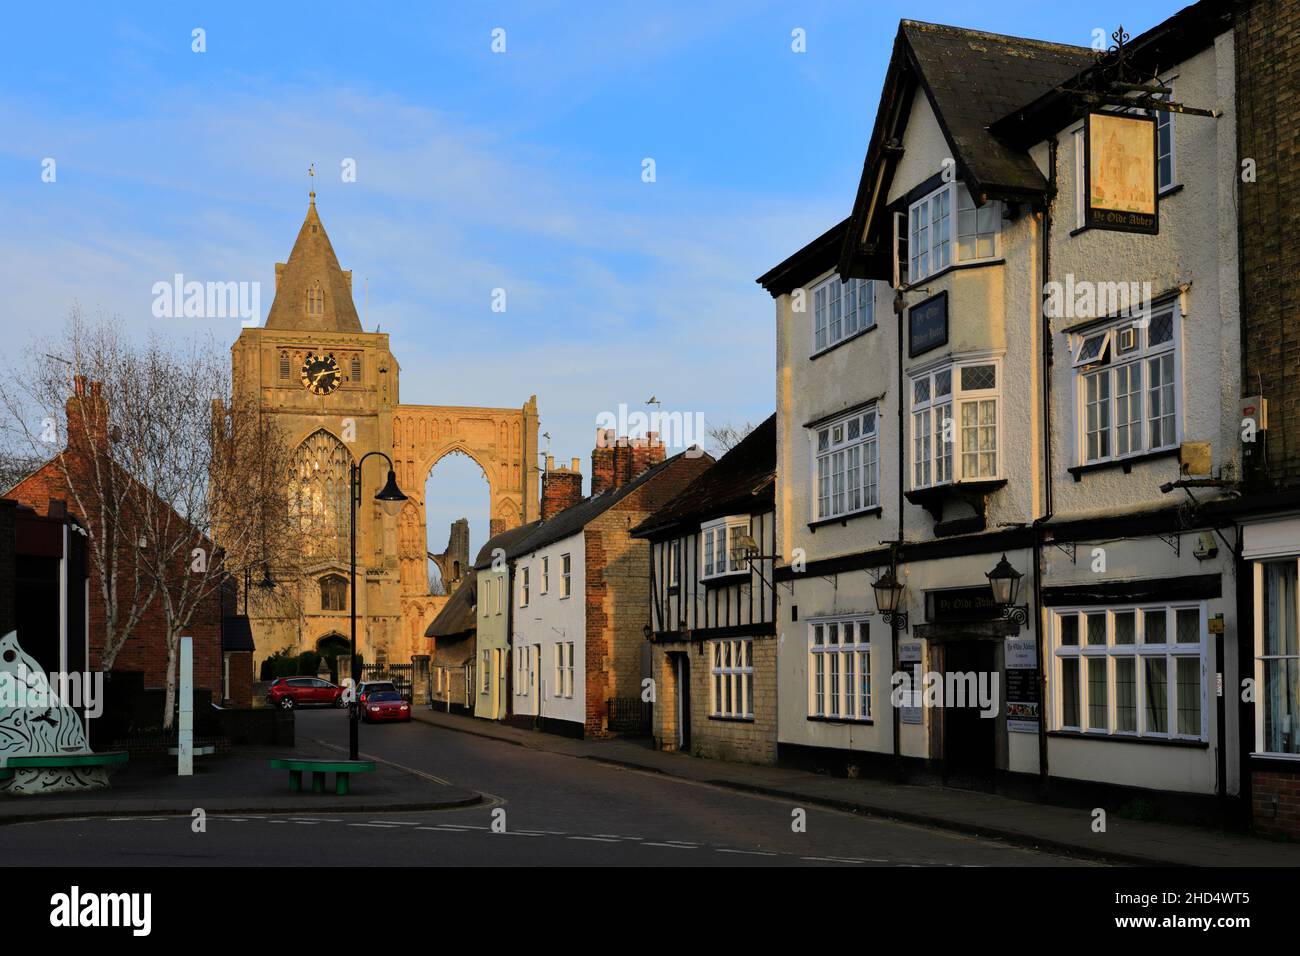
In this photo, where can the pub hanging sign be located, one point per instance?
(1121, 173)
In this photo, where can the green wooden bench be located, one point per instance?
(342, 770)
(59, 761)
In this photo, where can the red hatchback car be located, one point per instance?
(290, 692)
(385, 705)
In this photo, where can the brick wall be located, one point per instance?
(241, 678)
(618, 589)
(146, 649)
(1267, 40)
(1275, 799)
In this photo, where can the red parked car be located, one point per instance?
(290, 692)
(385, 705)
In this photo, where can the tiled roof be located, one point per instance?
(506, 541)
(741, 481)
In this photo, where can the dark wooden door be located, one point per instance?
(969, 739)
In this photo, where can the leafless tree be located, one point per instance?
(181, 490)
(65, 407)
(725, 437)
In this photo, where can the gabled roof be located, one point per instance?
(971, 79)
(741, 482)
(313, 265)
(506, 541)
(576, 517)
(457, 615)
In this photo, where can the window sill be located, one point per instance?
(843, 520)
(1126, 463)
(975, 493)
(957, 266)
(731, 720)
(860, 721)
(842, 342)
(1131, 739)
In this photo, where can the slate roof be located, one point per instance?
(236, 634)
(312, 263)
(741, 481)
(576, 517)
(457, 615)
(973, 79)
(506, 541)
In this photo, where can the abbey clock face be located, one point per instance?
(321, 375)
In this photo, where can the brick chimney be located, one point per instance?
(617, 460)
(87, 413)
(561, 487)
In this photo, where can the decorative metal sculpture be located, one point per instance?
(35, 722)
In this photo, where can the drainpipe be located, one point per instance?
(1046, 432)
(893, 630)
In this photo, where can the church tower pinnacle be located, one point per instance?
(312, 293)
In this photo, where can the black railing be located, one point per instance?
(629, 715)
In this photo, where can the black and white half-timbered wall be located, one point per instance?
(712, 606)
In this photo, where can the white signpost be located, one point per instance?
(185, 737)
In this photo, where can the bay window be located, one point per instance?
(839, 669)
(841, 309)
(1126, 387)
(1131, 671)
(847, 465)
(931, 230)
(955, 405)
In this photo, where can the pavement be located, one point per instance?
(241, 782)
(1039, 826)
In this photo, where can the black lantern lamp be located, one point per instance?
(1005, 582)
(390, 497)
(889, 593)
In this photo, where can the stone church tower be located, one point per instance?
(333, 389)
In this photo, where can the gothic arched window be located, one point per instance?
(319, 501)
(284, 364)
(356, 368)
(333, 593)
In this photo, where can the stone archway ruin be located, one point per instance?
(502, 442)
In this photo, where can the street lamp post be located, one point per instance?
(390, 498)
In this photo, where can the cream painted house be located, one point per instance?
(939, 422)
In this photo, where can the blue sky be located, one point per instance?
(475, 171)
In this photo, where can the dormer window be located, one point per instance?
(930, 231)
